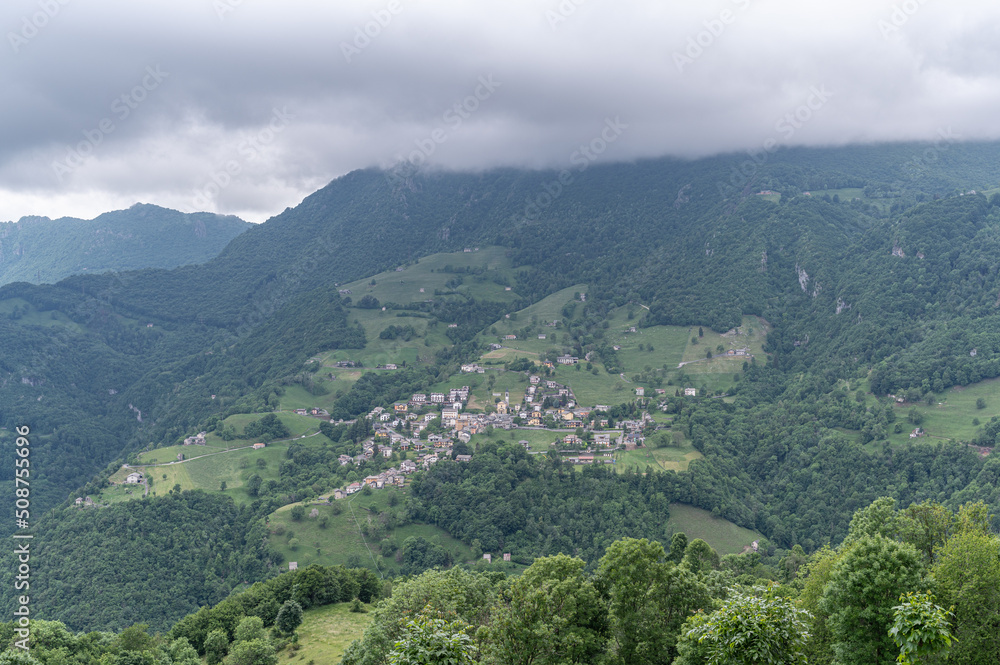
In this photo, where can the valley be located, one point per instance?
(646, 357)
(476, 401)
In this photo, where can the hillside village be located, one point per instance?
(436, 426)
(531, 383)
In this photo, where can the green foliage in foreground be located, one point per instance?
(751, 628)
(865, 602)
(640, 606)
(920, 628)
(429, 641)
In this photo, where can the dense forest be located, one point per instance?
(146, 561)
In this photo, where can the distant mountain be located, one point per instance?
(42, 250)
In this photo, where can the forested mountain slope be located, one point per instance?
(43, 250)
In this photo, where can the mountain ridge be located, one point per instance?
(38, 249)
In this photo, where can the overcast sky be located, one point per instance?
(247, 106)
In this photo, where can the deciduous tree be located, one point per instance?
(862, 591)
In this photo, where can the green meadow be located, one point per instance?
(430, 274)
(31, 315)
(207, 467)
(952, 414)
(342, 541)
(724, 536)
(660, 459)
(325, 634)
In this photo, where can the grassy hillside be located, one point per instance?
(659, 459)
(418, 281)
(207, 467)
(952, 414)
(343, 541)
(324, 634)
(724, 536)
(676, 355)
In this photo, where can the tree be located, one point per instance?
(552, 614)
(926, 526)
(919, 627)
(678, 543)
(135, 638)
(298, 512)
(257, 651)
(690, 650)
(427, 641)
(253, 484)
(222, 486)
(816, 574)
(249, 628)
(648, 600)
(757, 627)
(699, 557)
(289, 617)
(967, 578)
(456, 593)
(860, 595)
(216, 645)
(879, 518)
(182, 653)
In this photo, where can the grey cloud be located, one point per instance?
(564, 67)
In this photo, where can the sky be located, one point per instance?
(247, 106)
